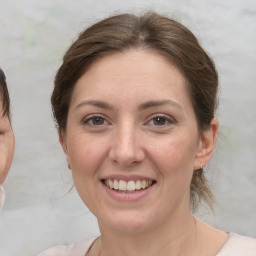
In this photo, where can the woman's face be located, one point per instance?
(131, 126)
(6, 145)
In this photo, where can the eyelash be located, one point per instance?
(92, 118)
(88, 121)
(167, 120)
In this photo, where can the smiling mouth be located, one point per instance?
(130, 186)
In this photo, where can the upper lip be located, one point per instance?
(127, 177)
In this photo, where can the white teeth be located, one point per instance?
(116, 185)
(110, 184)
(122, 185)
(138, 184)
(143, 184)
(129, 186)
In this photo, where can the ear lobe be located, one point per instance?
(206, 145)
(63, 143)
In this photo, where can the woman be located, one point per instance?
(6, 135)
(134, 102)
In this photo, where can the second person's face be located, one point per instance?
(132, 141)
(6, 145)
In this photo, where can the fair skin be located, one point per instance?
(6, 146)
(131, 123)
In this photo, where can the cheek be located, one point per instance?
(174, 159)
(4, 167)
(3, 170)
(174, 153)
(85, 155)
(5, 161)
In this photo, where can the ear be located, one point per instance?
(206, 145)
(63, 143)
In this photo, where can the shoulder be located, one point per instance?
(78, 248)
(238, 245)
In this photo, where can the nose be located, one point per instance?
(127, 148)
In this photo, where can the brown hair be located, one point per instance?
(154, 32)
(4, 94)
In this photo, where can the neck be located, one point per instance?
(178, 237)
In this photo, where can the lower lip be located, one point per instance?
(122, 196)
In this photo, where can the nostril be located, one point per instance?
(125, 157)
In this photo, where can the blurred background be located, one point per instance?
(39, 212)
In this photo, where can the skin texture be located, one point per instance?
(6, 146)
(131, 116)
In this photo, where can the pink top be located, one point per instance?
(236, 245)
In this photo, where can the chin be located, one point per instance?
(127, 223)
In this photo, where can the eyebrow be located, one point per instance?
(96, 103)
(142, 106)
(158, 103)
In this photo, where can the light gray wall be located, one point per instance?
(34, 35)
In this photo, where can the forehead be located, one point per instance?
(142, 71)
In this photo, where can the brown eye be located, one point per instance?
(94, 121)
(159, 120)
(97, 120)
